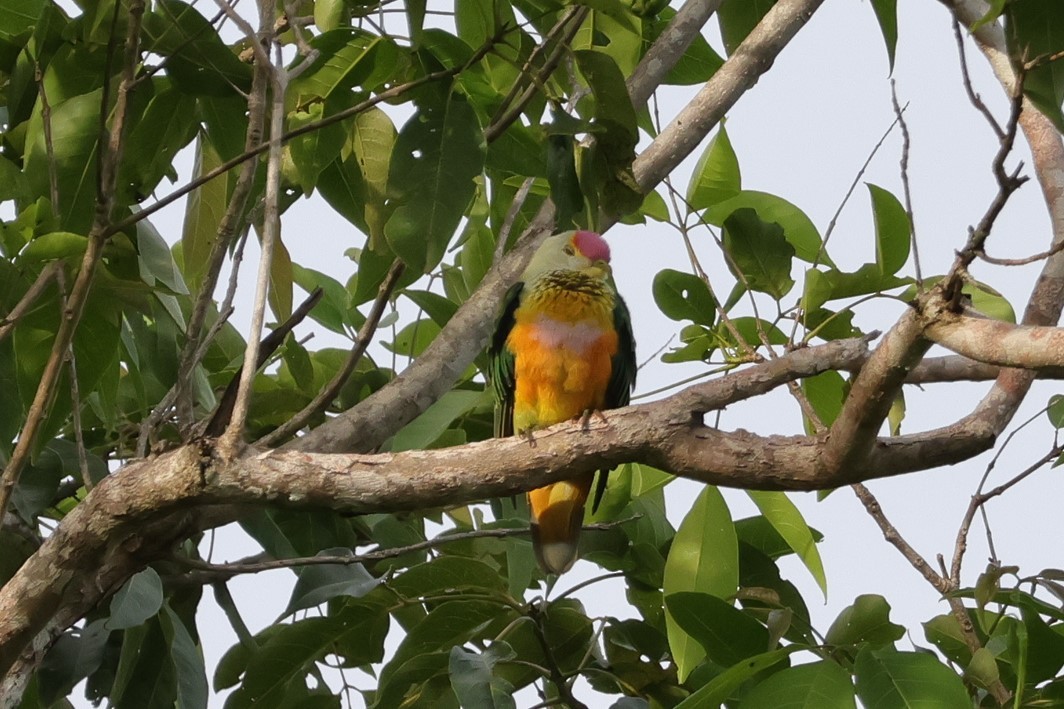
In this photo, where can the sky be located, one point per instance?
(803, 133)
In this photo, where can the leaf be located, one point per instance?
(319, 583)
(437, 154)
(716, 176)
(447, 573)
(818, 685)
(1055, 410)
(449, 624)
(826, 393)
(866, 621)
(430, 425)
(192, 690)
(473, 681)
(759, 254)
(74, 133)
(198, 60)
(684, 296)
(738, 17)
(800, 231)
(892, 230)
(356, 634)
(203, 212)
(887, 679)
(718, 689)
(788, 521)
(312, 152)
(887, 16)
(704, 557)
(139, 599)
(727, 634)
(1034, 29)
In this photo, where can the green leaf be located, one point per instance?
(203, 211)
(312, 152)
(788, 521)
(866, 621)
(473, 681)
(1034, 29)
(945, 633)
(347, 58)
(826, 393)
(892, 230)
(800, 231)
(192, 689)
(332, 310)
(430, 425)
(727, 634)
(684, 296)
(74, 133)
(53, 246)
(887, 16)
(759, 254)
(356, 634)
(198, 60)
(447, 573)
(167, 125)
(437, 155)
(888, 679)
(704, 557)
(319, 583)
(1055, 410)
(721, 687)
(449, 624)
(983, 669)
(716, 176)
(738, 17)
(139, 599)
(818, 685)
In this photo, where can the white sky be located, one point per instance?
(802, 133)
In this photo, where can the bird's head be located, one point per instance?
(583, 251)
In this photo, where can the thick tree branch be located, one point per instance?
(139, 513)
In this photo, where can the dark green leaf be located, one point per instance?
(319, 583)
(818, 685)
(866, 621)
(436, 157)
(684, 296)
(1034, 29)
(759, 254)
(191, 675)
(423, 431)
(800, 231)
(704, 557)
(727, 634)
(139, 599)
(782, 514)
(888, 679)
(1055, 410)
(447, 573)
(826, 393)
(887, 16)
(892, 230)
(717, 690)
(738, 17)
(716, 177)
(473, 681)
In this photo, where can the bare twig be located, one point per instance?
(903, 165)
(362, 340)
(36, 289)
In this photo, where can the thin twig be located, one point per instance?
(362, 340)
(903, 166)
(36, 289)
(966, 79)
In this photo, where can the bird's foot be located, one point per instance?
(529, 436)
(585, 419)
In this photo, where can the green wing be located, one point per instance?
(623, 365)
(622, 378)
(501, 363)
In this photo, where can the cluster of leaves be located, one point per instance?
(717, 622)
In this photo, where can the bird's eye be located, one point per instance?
(569, 251)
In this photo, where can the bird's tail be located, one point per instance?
(557, 515)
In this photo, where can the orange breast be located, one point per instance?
(562, 369)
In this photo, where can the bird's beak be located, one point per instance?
(599, 269)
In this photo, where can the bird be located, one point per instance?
(562, 350)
